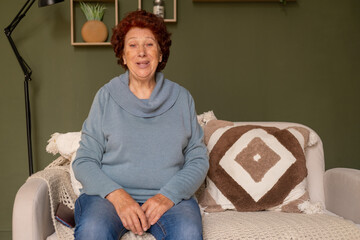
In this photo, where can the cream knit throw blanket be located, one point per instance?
(57, 177)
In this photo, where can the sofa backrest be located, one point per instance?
(314, 160)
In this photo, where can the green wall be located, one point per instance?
(245, 61)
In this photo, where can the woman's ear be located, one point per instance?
(124, 60)
(160, 58)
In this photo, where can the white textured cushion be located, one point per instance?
(232, 225)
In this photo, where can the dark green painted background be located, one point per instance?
(245, 61)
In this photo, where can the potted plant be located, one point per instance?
(94, 30)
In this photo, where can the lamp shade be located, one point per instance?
(44, 3)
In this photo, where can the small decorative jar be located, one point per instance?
(159, 9)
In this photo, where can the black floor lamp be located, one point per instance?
(25, 67)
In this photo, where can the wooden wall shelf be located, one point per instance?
(74, 35)
(173, 19)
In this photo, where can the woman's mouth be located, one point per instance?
(143, 64)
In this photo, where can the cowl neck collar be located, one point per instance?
(162, 98)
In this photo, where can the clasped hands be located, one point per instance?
(134, 217)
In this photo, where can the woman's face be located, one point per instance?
(141, 53)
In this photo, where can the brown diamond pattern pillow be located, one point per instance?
(254, 168)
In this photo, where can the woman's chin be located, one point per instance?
(144, 74)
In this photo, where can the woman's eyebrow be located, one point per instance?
(145, 37)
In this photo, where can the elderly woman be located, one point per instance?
(141, 155)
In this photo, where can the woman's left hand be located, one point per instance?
(155, 207)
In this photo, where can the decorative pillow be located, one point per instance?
(254, 168)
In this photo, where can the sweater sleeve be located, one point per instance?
(185, 183)
(88, 162)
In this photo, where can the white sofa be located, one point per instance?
(337, 189)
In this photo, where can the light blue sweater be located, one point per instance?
(142, 146)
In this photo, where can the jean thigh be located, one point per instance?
(96, 218)
(183, 221)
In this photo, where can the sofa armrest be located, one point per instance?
(31, 213)
(342, 192)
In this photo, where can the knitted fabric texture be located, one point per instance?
(229, 225)
(57, 177)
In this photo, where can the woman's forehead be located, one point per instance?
(139, 33)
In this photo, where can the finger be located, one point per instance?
(136, 224)
(155, 219)
(132, 228)
(128, 223)
(153, 216)
(149, 210)
(143, 220)
(145, 206)
(124, 223)
(157, 214)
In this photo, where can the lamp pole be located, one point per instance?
(25, 68)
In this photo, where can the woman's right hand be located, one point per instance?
(131, 215)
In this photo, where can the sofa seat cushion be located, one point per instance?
(277, 225)
(232, 225)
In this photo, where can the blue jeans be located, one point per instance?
(96, 218)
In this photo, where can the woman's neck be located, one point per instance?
(142, 89)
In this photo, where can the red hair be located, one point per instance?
(142, 19)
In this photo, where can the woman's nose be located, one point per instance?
(142, 51)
